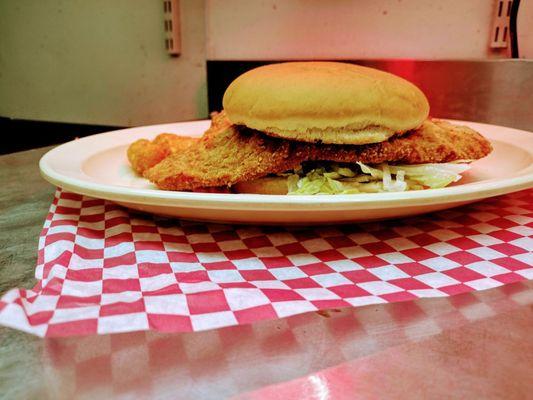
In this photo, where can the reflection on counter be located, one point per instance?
(302, 355)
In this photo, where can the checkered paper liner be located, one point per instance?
(104, 269)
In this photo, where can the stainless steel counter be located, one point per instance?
(467, 346)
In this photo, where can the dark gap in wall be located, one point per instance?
(220, 74)
(19, 135)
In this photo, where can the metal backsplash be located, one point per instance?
(495, 92)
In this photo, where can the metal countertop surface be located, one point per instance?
(468, 346)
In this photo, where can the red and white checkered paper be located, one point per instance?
(104, 269)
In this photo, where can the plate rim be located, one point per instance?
(460, 193)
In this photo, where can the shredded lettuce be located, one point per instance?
(330, 178)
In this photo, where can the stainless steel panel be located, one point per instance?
(495, 92)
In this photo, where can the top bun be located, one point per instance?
(326, 102)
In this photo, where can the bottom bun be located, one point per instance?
(268, 185)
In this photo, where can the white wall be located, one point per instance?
(104, 62)
(524, 27)
(299, 29)
(99, 62)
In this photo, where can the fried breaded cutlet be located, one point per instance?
(223, 159)
(237, 154)
(144, 154)
(219, 122)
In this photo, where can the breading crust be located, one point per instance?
(436, 141)
(144, 154)
(238, 154)
(224, 159)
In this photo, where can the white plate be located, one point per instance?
(97, 166)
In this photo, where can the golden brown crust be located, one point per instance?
(219, 123)
(435, 141)
(237, 154)
(223, 159)
(144, 154)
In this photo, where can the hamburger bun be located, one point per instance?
(266, 185)
(328, 102)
